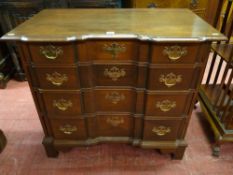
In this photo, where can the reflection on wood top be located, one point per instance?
(143, 24)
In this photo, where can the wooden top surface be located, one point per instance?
(143, 24)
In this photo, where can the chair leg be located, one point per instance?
(216, 149)
(2, 141)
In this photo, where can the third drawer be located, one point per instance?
(172, 104)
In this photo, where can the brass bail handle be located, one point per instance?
(175, 52)
(51, 52)
(68, 129)
(56, 78)
(62, 104)
(161, 130)
(170, 79)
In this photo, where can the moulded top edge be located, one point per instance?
(8, 37)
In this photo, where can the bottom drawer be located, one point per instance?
(161, 129)
(69, 129)
(114, 125)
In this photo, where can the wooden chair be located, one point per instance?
(216, 93)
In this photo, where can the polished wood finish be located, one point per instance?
(137, 85)
(198, 6)
(63, 25)
(15, 12)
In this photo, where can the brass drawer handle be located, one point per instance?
(170, 79)
(114, 97)
(51, 52)
(175, 52)
(114, 73)
(161, 130)
(68, 129)
(56, 78)
(114, 49)
(166, 105)
(115, 121)
(62, 104)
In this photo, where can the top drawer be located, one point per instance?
(109, 50)
(52, 53)
(175, 53)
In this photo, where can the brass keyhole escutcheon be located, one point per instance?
(114, 49)
(115, 121)
(114, 73)
(115, 97)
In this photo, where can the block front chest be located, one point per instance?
(110, 90)
(122, 75)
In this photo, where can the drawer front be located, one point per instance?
(161, 3)
(109, 100)
(195, 5)
(69, 129)
(57, 78)
(173, 78)
(111, 50)
(115, 125)
(62, 104)
(168, 104)
(115, 100)
(161, 130)
(52, 53)
(175, 53)
(115, 75)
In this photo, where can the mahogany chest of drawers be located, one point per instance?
(127, 76)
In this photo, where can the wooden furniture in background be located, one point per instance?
(6, 64)
(122, 81)
(14, 12)
(2, 141)
(216, 93)
(200, 7)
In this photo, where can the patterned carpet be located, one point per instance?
(24, 153)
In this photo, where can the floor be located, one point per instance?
(24, 153)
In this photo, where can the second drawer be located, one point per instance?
(57, 77)
(173, 77)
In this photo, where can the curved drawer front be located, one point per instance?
(130, 75)
(161, 130)
(62, 103)
(111, 50)
(177, 53)
(109, 100)
(52, 53)
(173, 78)
(115, 75)
(115, 100)
(57, 78)
(68, 129)
(114, 125)
(168, 104)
